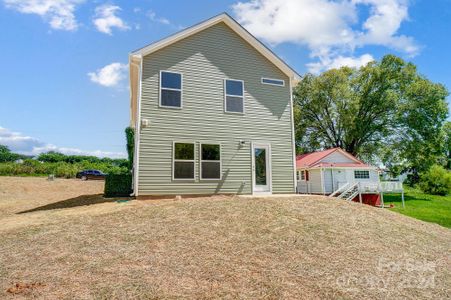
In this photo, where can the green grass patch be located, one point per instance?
(429, 208)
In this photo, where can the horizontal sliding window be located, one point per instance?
(170, 89)
(273, 81)
(210, 164)
(183, 161)
(234, 96)
(361, 174)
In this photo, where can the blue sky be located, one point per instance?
(64, 62)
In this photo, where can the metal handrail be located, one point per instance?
(339, 190)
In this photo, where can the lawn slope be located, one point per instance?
(219, 247)
(429, 208)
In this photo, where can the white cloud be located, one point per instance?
(331, 30)
(105, 19)
(58, 13)
(154, 18)
(23, 144)
(326, 63)
(110, 75)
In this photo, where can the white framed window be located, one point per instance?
(171, 89)
(183, 163)
(300, 175)
(273, 81)
(210, 161)
(361, 174)
(234, 96)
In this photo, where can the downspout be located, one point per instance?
(322, 181)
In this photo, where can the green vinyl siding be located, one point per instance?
(206, 59)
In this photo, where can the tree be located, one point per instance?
(51, 156)
(130, 137)
(447, 144)
(436, 181)
(382, 111)
(7, 156)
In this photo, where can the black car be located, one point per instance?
(91, 174)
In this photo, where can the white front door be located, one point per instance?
(261, 168)
(339, 178)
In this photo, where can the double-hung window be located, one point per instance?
(361, 174)
(170, 89)
(210, 163)
(234, 96)
(183, 161)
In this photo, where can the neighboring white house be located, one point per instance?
(326, 171)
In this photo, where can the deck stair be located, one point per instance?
(347, 191)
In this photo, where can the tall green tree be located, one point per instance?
(6, 155)
(130, 139)
(447, 144)
(383, 111)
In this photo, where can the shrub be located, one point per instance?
(61, 169)
(118, 185)
(412, 179)
(436, 181)
(130, 137)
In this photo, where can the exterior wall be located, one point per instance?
(333, 179)
(205, 60)
(313, 185)
(342, 176)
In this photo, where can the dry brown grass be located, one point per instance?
(218, 247)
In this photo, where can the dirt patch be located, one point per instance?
(24, 288)
(224, 247)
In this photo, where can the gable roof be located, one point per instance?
(313, 160)
(236, 27)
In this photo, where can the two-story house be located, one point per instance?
(212, 112)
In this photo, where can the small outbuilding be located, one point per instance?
(336, 172)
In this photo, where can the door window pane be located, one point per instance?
(260, 166)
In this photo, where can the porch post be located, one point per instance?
(402, 197)
(322, 181)
(360, 192)
(333, 181)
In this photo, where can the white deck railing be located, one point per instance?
(376, 187)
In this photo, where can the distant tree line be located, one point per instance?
(59, 164)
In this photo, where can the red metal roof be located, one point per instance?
(310, 160)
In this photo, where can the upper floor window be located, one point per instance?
(272, 81)
(361, 174)
(170, 89)
(234, 96)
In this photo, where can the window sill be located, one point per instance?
(170, 107)
(234, 113)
